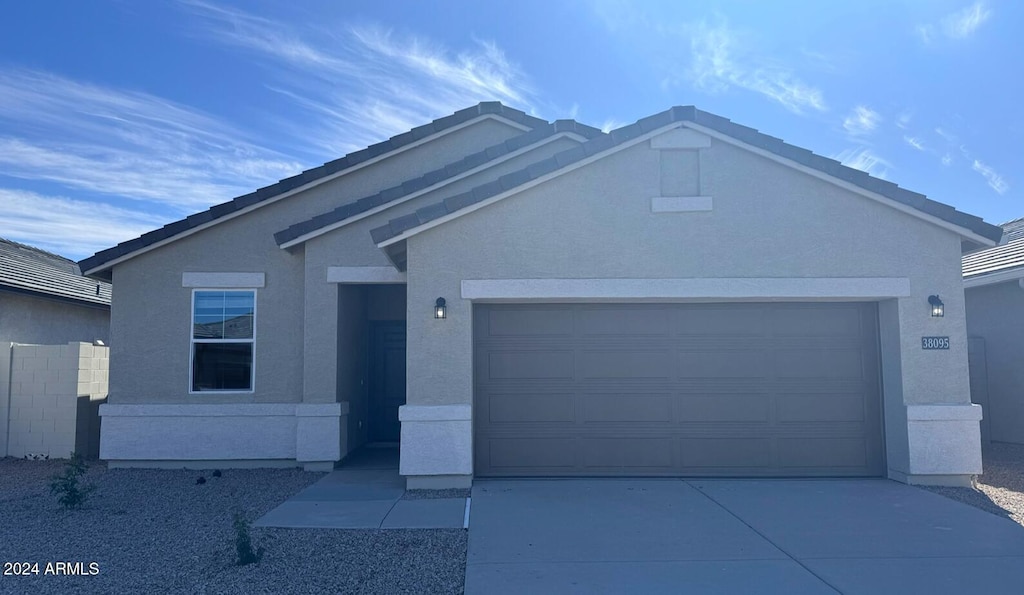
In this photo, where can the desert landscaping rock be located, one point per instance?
(436, 494)
(1000, 489)
(158, 531)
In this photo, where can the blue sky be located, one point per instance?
(117, 117)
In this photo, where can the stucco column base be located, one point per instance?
(320, 430)
(944, 444)
(437, 445)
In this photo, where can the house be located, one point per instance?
(46, 301)
(994, 290)
(513, 297)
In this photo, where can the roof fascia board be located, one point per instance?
(962, 232)
(984, 279)
(526, 186)
(333, 226)
(113, 262)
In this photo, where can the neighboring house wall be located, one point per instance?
(55, 393)
(767, 221)
(996, 314)
(42, 321)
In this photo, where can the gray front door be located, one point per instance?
(387, 379)
(742, 389)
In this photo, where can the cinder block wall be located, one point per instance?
(55, 389)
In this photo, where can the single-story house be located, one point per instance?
(507, 296)
(45, 299)
(994, 290)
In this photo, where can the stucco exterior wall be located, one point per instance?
(996, 314)
(40, 321)
(151, 302)
(767, 221)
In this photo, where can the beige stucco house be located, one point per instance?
(512, 297)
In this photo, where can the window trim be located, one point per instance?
(192, 342)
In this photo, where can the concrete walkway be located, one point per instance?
(365, 492)
(735, 536)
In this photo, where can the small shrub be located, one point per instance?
(70, 492)
(243, 543)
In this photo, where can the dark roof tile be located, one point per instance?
(744, 134)
(26, 269)
(98, 260)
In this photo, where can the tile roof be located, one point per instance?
(352, 209)
(331, 167)
(30, 270)
(750, 136)
(1009, 255)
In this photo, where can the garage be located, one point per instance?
(643, 389)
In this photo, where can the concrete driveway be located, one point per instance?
(734, 536)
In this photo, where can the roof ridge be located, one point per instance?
(393, 193)
(744, 134)
(307, 176)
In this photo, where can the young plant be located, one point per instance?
(70, 492)
(243, 543)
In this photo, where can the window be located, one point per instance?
(223, 333)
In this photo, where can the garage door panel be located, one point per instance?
(542, 454)
(812, 320)
(712, 390)
(738, 320)
(737, 363)
(616, 322)
(705, 453)
(627, 408)
(824, 452)
(618, 454)
(632, 365)
(535, 322)
(823, 407)
(724, 408)
(529, 364)
(544, 408)
(819, 363)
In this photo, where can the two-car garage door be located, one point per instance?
(741, 389)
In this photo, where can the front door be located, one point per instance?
(387, 379)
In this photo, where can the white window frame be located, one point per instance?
(192, 342)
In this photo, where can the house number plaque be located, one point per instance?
(934, 342)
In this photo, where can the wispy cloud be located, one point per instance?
(71, 228)
(957, 25)
(995, 181)
(861, 121)
(866, 160)
(914, 142)
(903, 119)
(719, 62)
(364, 83)
(126, 143)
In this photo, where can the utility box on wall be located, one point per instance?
(53, 395)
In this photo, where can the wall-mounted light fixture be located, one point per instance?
(440, 310)
(938, 308)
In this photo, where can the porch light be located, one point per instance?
(440, 310)
(938, 308)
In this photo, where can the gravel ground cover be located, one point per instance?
(436, 494)
(158, 531)
(1000, 490)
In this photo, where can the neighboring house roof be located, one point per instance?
(95, 264)
(429, 181)
(402, 227)
(1000, 263)
(24, 269)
